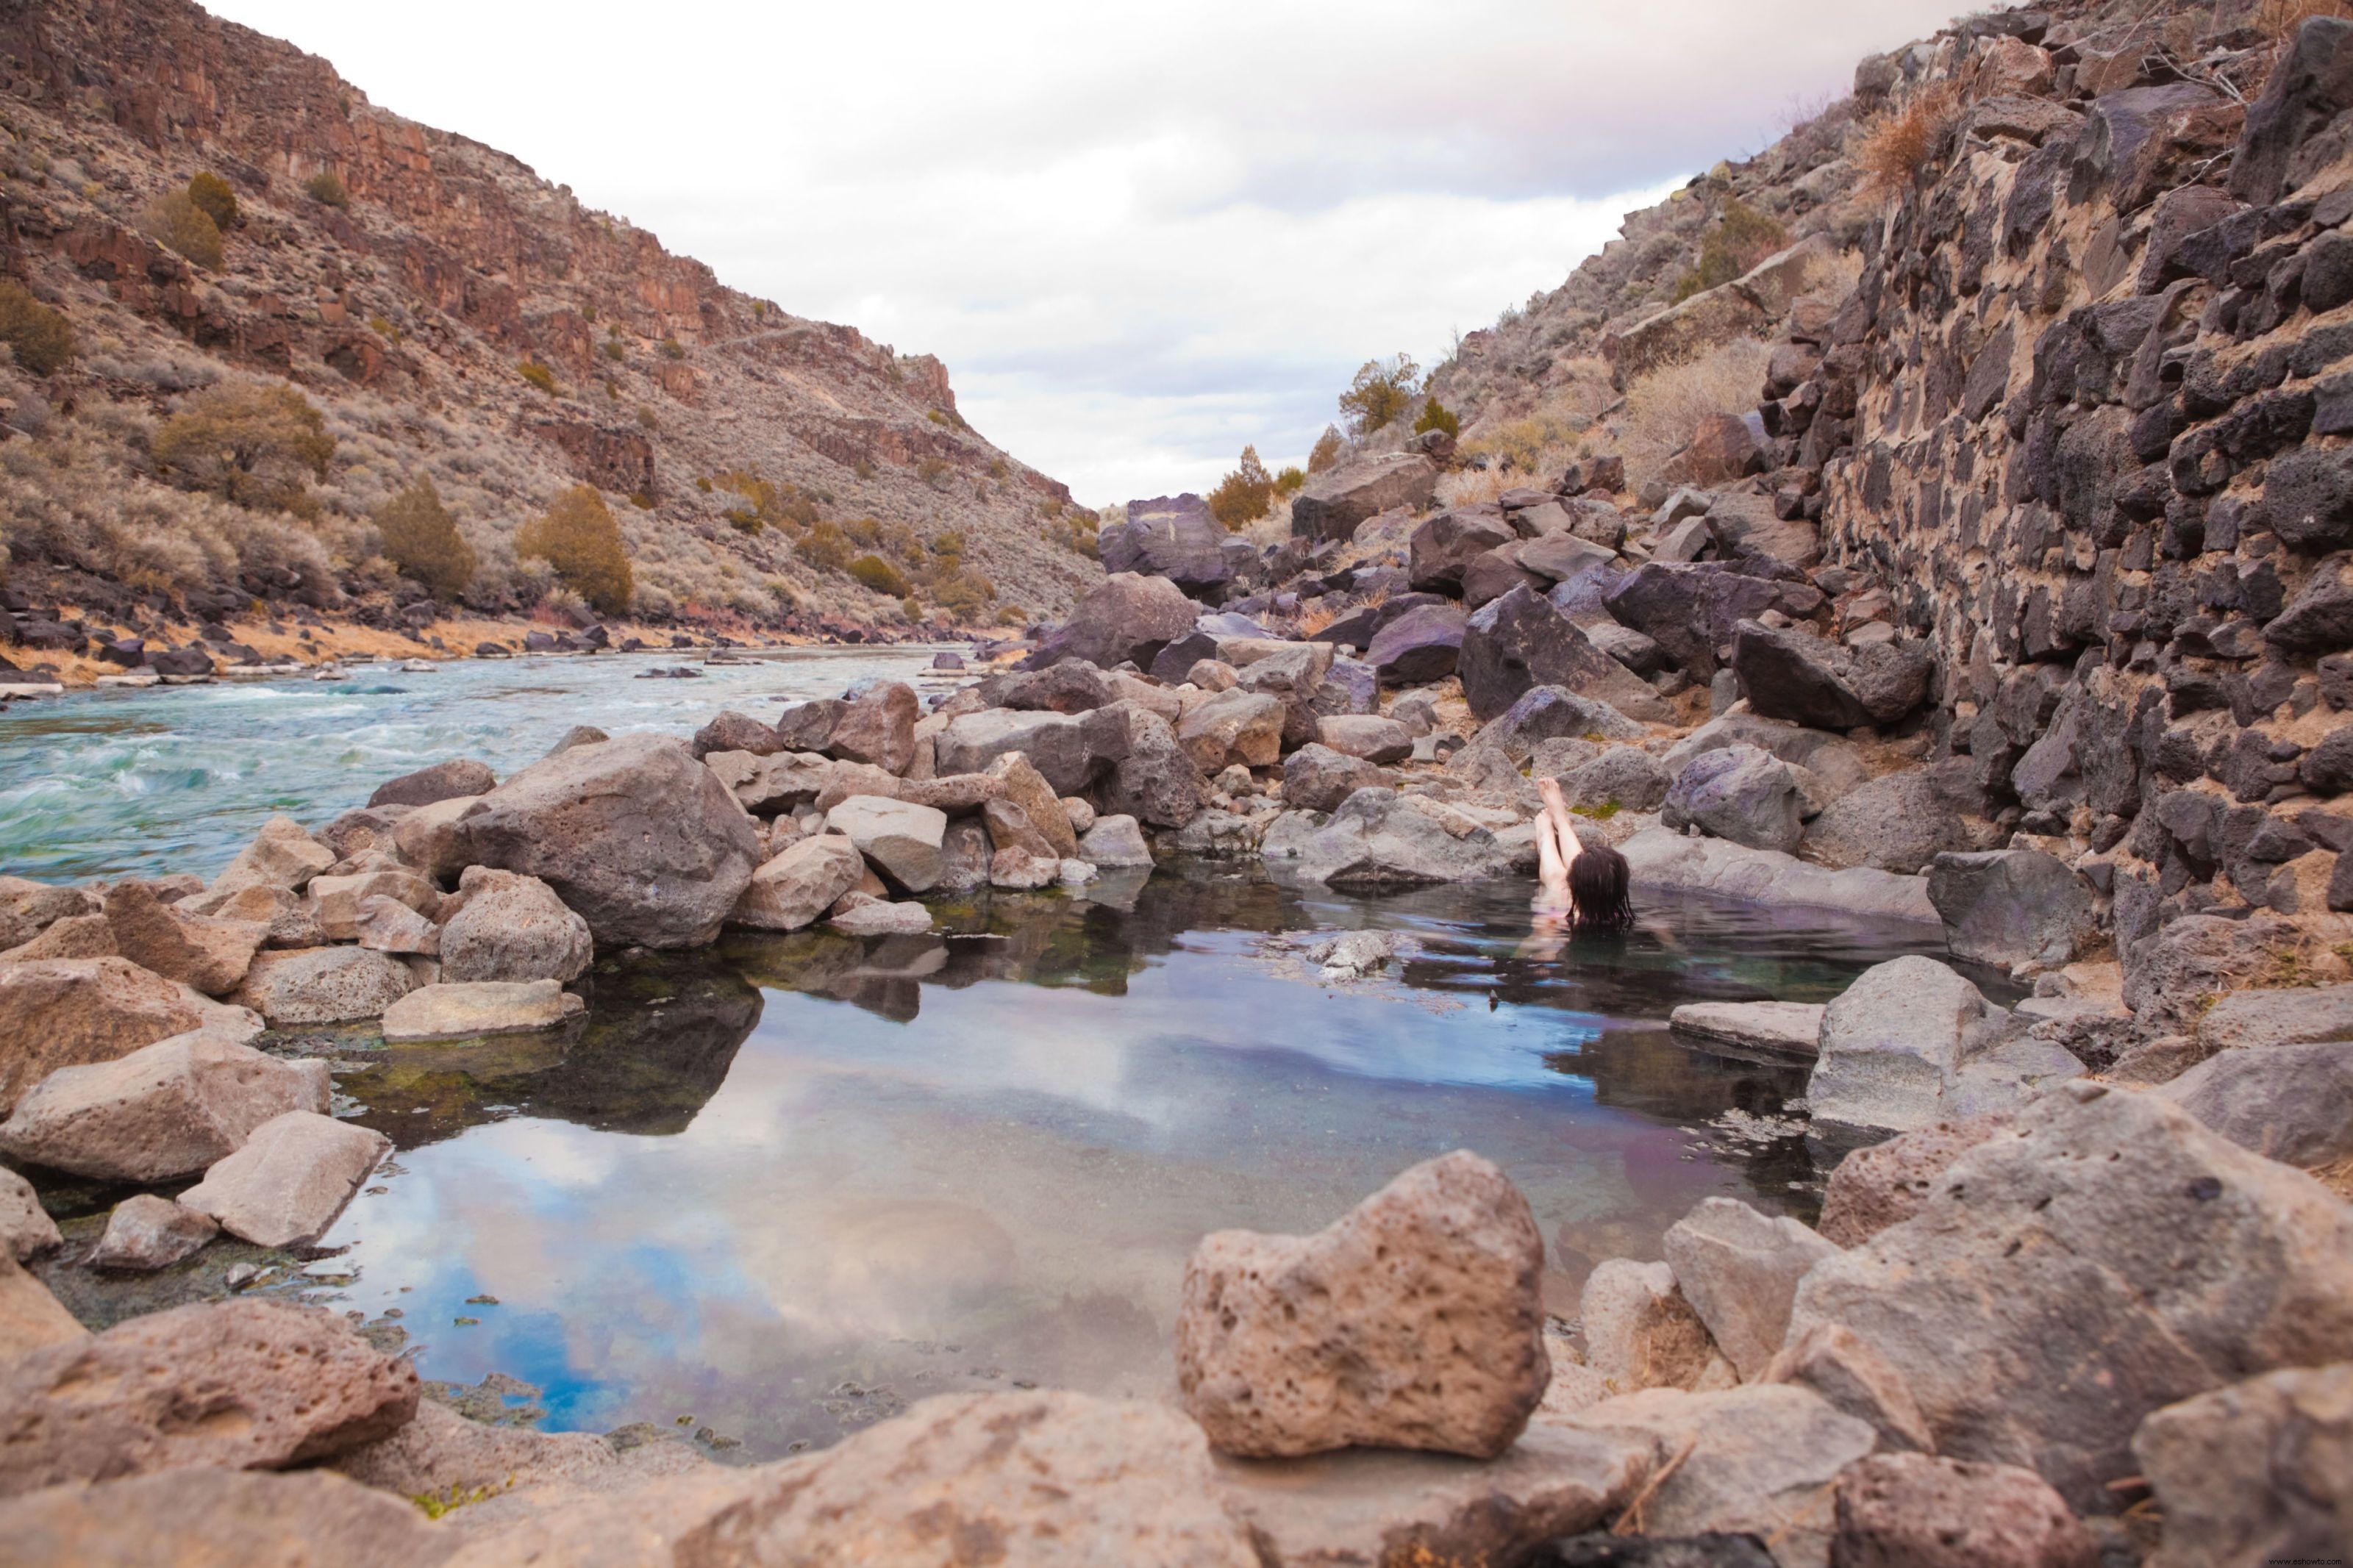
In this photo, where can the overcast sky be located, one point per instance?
(1140, 235)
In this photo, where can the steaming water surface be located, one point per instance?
(781, 1188)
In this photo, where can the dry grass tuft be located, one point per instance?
(1665, 406)
(2278, 18)
(1893, 149)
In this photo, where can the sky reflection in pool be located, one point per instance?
(788, 1186)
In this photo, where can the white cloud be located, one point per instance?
(1139, 236)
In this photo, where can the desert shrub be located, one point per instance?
(1895, 150)
(879, 575)
(825, 547)
(1380, 393)
(1665, 406)
(175, 221)
(539, 375)
(423, 540)
(254, 443)
(614, 349)
(579, 537)
(931, 471)
(1326, 451)
(1243, 494)
(1290, 481)
(673, 349)
(1740, 237)
(41, 338)
(215, 199)
(326, 188)
(648, 418)
(965, 596)
(384, 330)
(1436, 417)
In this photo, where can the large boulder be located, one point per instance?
(634, 834)
(1915, 1510)
(1554, 713)
(1071, 750)
(1421, 645)
(729, 730)
(1444, 549)
(290, 1179)
(205, 952)
(1172, 537)
(2256, 1473)
(1335, 503)
(432, 838)
(1378, 838)
(1234, 726)
(1740, 793)
(1366, 735)
(2263, 1017)
(442, 781)
(2004, 907)
(803, 727)
(31, 1317)
(323, 985)
(167, 1109)
(1073, 686)
(1626, 777)
(799, 883)
(1911, 1042)
(2309, 86)
(1898, 822)
(1044, 1478)
(1114, 842)
(1795, 675)
(898, 838)
(1750, 530)
(1154, 780)
(777, 781)
(2104, 1257)
(67, 1012)
(1317, 778)
(1413, 1321)
(241, 1386)
(1524, 640)
(879, 727)
(512, 927)
(1689, 610)
(1014, 780)
(2290, 1103)
(1128, 618)
(1739, 1269)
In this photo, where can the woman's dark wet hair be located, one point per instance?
(1597, 880)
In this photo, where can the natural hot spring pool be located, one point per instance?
(784, 1187)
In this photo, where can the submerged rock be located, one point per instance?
(1414, 1322)
(1786, 1029)
(147, 1232)
(463, 1010)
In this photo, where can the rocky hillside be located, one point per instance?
(450, 315)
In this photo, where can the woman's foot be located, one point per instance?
(1550, 789)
